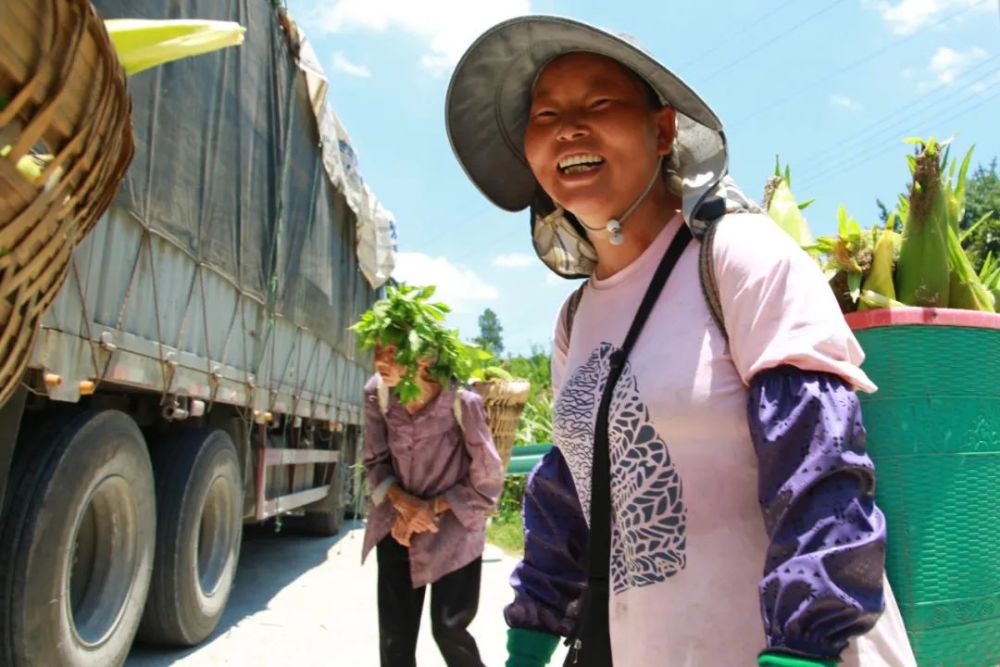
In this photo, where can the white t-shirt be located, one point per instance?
(689, 543)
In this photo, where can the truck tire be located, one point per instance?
(77, 543)
(326, 516)
(199, 501)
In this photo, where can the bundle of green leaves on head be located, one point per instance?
(408, 321)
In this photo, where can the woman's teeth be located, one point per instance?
(580, 163)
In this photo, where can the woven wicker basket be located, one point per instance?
(934, 434)
(62, 94)
(504, 401)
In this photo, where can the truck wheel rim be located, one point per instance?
(215, 536)
(105, 557)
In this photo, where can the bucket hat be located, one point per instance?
(486, 112)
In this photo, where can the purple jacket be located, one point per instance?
(429, 454)
(822, 580)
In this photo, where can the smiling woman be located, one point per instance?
(698, 442)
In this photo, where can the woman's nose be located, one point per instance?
(572, 128)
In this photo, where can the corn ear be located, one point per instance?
(142, 44)
(780, 204)
(880, 278)
(923, 272)
(32, 166)
(873, 300)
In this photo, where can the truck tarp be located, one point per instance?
(231, 163)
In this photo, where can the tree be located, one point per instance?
(982, 196)
(490, 333)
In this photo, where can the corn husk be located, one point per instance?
(874, 300)
(142, 44)
(780, 204)
(880, 279)
(849, 257)
(989, 275)
(923, 274)
(966, 290)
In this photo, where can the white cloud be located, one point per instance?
(448, 26)
(515, 260)
(342, 64)
(457, 286)
(946, 63)
(844, 102)
(907, 16)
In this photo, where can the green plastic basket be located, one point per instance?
(934, 433)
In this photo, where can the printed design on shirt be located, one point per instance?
(648, 533)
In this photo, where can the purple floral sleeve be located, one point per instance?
(549, 581)
(823, 574)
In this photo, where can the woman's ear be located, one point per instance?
(666, 121)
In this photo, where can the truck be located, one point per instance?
(196, 371)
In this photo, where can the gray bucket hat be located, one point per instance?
(487, 108)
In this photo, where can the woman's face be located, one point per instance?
(391, 370)
(593, 137)
(387, 366)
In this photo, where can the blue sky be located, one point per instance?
(832, 86)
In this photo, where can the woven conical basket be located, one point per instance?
(504, 401)
(62, 97)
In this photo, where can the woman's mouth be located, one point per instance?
(580, 164)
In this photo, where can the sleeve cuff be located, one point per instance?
(379, 492)
(771, 659)
(529, 648)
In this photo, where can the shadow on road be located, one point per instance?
(269, 562)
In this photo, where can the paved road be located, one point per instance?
(303, 601)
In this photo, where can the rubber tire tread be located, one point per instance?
(34, 467)
(172, 616)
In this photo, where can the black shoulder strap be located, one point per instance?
(594, 626)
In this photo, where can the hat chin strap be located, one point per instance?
(614, 225)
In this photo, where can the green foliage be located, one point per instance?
(982, 198)
(490, 333)
(506, 528)
(536, 420)
(508, 536)
(407, 319)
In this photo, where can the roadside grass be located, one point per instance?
(507, 533)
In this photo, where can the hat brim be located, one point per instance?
(489, 98)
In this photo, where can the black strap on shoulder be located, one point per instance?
(592, 639)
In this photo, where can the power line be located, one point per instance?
(853, 161)
(875, 128)
(744, 29)
(771, 41)
(853, 65)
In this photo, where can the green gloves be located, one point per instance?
(529, 648)
(769, 659)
